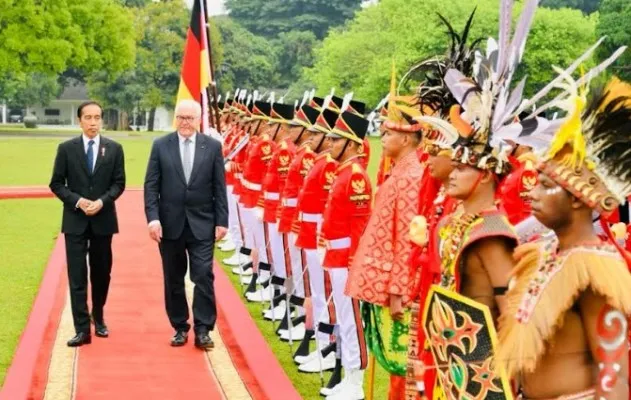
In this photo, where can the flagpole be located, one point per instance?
(214, 106)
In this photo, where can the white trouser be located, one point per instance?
(246, 223)
(280, 260)
(234, 226)
(297, 267)
(351, 331)
(320, 284)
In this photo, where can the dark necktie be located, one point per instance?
(90, 156)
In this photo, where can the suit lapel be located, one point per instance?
(83, 160)
(200, 155)
(101, 154)
(174, 149)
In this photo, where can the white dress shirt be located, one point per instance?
(95, 147)
(191, 146)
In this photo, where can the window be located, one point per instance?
(52, 112)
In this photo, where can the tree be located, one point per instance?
(295, 53)
(23, 90)
(271, 17)
(586, 6)
(249, 61)
(55, 36)
(615, 22)
(354, 58)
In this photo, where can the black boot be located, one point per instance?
(303, 347)
(252, 286)
(284, 323)
(336, 378)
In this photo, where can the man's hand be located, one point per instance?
(396, 307)
(84, 205)
(155, 231)
(220, 232)
(94, 207)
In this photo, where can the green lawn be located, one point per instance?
(19, 128)
(28, 229)
(29, 161)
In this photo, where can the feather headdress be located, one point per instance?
(590, 154)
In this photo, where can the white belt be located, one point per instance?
(252, 186)
(271, 196)
(238, 175)
(315, 218)
(338, 244)
(290, 202)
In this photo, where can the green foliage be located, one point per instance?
(615, 22)
(53, 36)
(355, 58)
(586, 6)
(249, 61)
(271, 17)
(295, 53)
(20, 90)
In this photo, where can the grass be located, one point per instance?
(308, 385)
(27, 235)
(20, 128)
(29, 161)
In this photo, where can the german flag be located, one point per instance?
(196, 75)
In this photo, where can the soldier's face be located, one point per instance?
(293, 132)
(463, 180)
(440, 167)
(551, 202)
(316, 139)
(336, 145)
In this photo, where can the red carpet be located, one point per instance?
(136, 361)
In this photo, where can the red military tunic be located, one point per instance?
(275, 178)
(259, 156)
(239, 161)
(230, 142)
(312, 199)
(298, 169)
(346, 214)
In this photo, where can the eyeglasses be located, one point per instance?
(185, 118)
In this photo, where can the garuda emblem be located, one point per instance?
(284, 160)
(307, 163)
(359, 186)
(267, 149)
(330, 176)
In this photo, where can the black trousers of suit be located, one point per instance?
(176, 254)
(98, 250)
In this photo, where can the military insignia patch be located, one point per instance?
(462, 339)
(359, 186)
(284, 160)
(266, 149)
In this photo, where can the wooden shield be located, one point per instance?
(462, 338)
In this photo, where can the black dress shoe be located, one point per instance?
(100, 330)
(179, 339)
(203, 341)
(80, 339)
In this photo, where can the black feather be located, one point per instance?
(429, 74)
(608, 131)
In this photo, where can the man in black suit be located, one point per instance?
(88, 177)
(187, 210)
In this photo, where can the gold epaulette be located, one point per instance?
(544, 287)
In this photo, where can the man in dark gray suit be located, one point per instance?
(187, 210)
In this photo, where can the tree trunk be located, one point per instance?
(152, 118)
